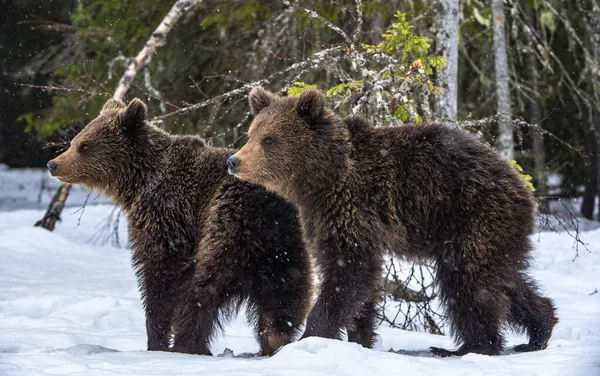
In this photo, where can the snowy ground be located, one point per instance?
(69, 306)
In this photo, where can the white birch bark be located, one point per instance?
(447, 47)
(157, 39)
(505, 129)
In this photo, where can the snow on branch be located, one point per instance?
(313, 62)
(157, 39)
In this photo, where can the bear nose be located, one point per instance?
(52, 166)
(233, 162)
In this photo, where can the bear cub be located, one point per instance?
(421, 191)
(203, 242)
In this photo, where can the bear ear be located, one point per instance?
(112, 104)
(259, 98)
(311, 105)
(133, 115)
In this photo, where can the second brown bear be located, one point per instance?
(202, 241)
(421, 191)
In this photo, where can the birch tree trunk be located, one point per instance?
(592, 142)
(157, 39)
(505, 130)
(447, 46)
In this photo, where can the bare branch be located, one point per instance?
(156, 40)
(315, 60)
(317, 16)
(152, 90)
(117, 59)
(570, 225)
(412, 294)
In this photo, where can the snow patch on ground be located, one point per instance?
(69, 306)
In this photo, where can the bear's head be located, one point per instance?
(102, 152)
(291, 140)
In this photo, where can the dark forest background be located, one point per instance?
(61, 60)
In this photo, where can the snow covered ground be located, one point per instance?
(69, 305)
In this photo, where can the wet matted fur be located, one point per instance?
(421, 191)
(202, 241)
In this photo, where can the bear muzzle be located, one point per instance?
(233, 163)
(52, 166)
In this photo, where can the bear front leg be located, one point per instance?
(157, 327)
(160, 282)
(350, 278)
(159, 310)
(334, 310)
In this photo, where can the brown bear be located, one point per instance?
(203, 242)
(420, 191)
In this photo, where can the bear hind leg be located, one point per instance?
(276, 329)
(211, 292)
(476, 310)
(271, 340)
(193, 325)
(477, 327)
(278, 309)
(531, 312)
(362, 329)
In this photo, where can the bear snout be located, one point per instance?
(233, 163)
(52, 166)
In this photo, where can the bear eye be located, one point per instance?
(268, 141)
(83, 147)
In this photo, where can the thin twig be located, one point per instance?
(315, 59)
(317, 16)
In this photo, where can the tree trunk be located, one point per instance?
(591, 180)
(592, 140)
(447, 46)
(597, 134)
(157, 39)
(502, 85)
(55, 208)
(595, 21)
(535, 118)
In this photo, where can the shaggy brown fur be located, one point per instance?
(422, 191)
(201, 240)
